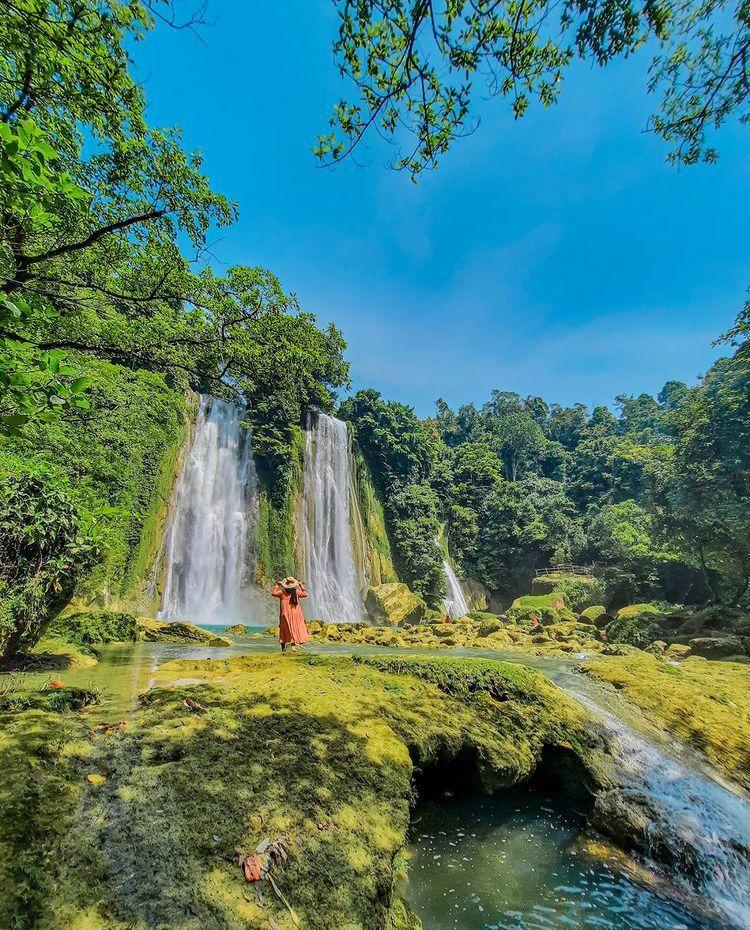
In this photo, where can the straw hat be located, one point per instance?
(290, 582)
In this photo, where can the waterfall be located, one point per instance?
(695, 824)
(213, 511)
(455, 602)
(326, 531)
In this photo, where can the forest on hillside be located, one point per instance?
(111, 311)
(655, 495)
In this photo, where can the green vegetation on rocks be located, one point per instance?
(581, 591)
(638, 630)
(154, 631)
(394, 604)
(705, 703)
(320, 751)
(546, 608)
(91, 628)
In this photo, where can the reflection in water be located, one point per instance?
(506, 863)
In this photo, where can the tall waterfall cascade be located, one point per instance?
(333, 578)
(455, 603)
(211, 527)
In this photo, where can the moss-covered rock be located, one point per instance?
(704, 703)
(639, 610)
(639, 630)
(596, 615)
(677, 651)
(580, 591)
(319, 751)
(546, 608)
(154, 631)
(239, 629)
(394, 604)
(717, 647)
(476, 594)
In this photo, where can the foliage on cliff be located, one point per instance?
(400, 452)
(115, 464)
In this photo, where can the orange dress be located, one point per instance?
(292, 626)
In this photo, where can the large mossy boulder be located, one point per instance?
(239, 629)
(580, 591)
(638, 625)
(717, 647)
(639, 631)
(154, 631)
(638, 610)
(394, 604)
(546, 608)
(476, 594)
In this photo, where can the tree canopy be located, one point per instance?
(419, 67)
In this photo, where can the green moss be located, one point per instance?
(580, 590)
(154, 631)
(394, 604)
(42, 759)
(640, 630)
(638, 610)
(276, 537)
(319, 750)
(547, 608)
(594, 612)
(704, 703)
(377, 556)
(91, 628)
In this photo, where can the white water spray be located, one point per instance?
(326, 530)
(212, 521)
(455, 602)
(695, 824)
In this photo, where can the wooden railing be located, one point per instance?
(566, 569)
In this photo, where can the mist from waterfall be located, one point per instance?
(454, 602)
(214, 509)
(326, 528)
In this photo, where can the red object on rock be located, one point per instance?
(252, 867)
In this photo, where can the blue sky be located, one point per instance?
(558, 256)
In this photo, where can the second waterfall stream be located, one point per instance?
(330, 566)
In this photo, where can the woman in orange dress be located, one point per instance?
(292, 626)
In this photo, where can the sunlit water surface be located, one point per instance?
(507, 862)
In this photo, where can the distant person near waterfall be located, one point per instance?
(292, 626)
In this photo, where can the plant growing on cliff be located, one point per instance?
(46, 542)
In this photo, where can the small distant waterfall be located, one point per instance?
(455, 602)
(214, 506)
(326, 528)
